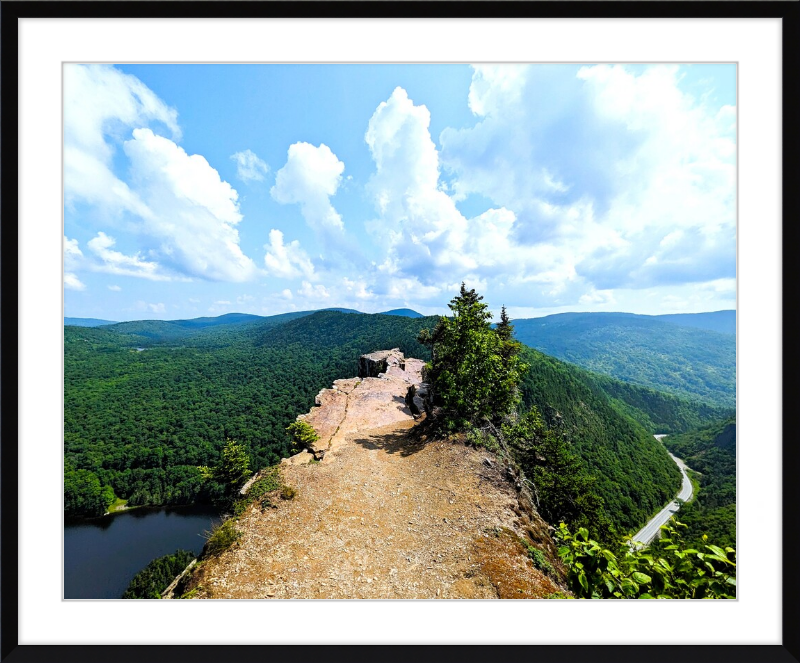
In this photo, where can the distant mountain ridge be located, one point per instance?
(227, 319)
(404, 312)
(86, 322)
(723, 322)
(681, 358)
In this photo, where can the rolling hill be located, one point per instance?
(142, 421)
(86, 322)
(723, 322)
(686, 361)
(405, 312)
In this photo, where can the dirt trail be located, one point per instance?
(385, 514)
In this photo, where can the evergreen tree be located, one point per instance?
(506, 393)
(473, 371)
(233, 469)
(505, 330)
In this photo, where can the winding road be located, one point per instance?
(645, 535)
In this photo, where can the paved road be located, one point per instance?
(649, 531)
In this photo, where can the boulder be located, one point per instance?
(374, 364)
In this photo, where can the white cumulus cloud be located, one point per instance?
(310, 178)
(194, 212)
(102, 104)
(180, 212)
(72, 282)
(286, 261)
(617, 178)
(249, 168)
(116, 262)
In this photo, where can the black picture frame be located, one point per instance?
(12, 651)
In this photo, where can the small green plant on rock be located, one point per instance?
(481, 438)
(303, 435)
(221, 537)
(538, 558)
(288, 493)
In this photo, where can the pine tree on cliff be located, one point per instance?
(511, 369)
(505, 330)
(474, 370)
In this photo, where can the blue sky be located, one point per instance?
(195, 190)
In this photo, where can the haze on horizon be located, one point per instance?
(200, 190)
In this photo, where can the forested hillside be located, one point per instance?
(657, 411)
(142, 421)
(686, 361)
(710, 451)
(143, 411)
(635, 477)
(723, 322)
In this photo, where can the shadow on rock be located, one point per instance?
(398, 442)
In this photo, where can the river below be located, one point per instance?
(102, 555)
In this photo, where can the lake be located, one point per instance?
(102, 555)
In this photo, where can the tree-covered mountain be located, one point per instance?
(686, 361)
(634, 476)
(657, 411)
(711, 452)
(86, 322)
(723, 322)
(142, 421)
(406, 312)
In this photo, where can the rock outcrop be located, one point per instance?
(375, 363)
(376, 398)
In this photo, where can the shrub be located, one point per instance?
(266, 484)
(221, 537)
(666, 570)
(303, 435)
(288, 493)
(479, 437)
(538, 558)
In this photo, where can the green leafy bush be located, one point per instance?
(232, 470)
(303, 435)
(221, 537)
(668, 569)
(265, 484)
(269, 482)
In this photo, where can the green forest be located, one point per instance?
(690, 362)
(154, 578)
(711, 453)
(148, 402)
(142, 420)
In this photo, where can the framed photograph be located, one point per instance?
(382, 306)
